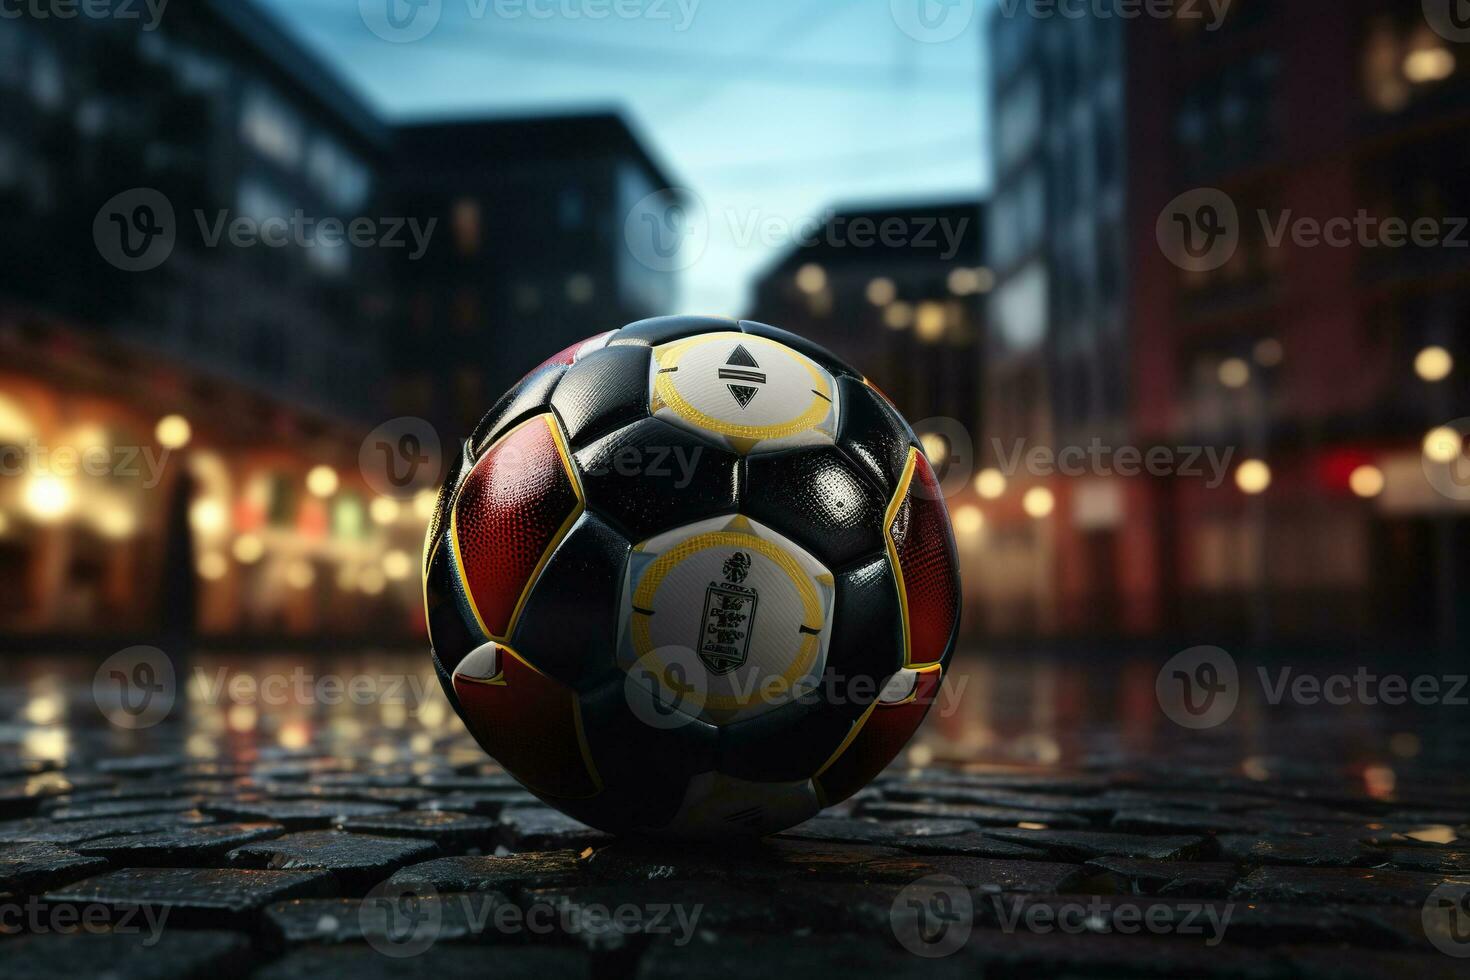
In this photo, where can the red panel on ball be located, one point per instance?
(568, 357)
(876, 741)
(532, 725)
(515, 505)
(922, 547)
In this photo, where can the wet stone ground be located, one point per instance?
(408, 853)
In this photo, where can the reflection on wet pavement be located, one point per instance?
(263, 818)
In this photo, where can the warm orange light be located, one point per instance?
(1443, 445)
(173, 432)
(1039, 502)
(1434, 364)
(811, 278)
(991, 484)
(1367, 481)
(1253, 477)
(968, 520)
(882, 291)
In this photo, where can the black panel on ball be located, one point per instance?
(645, 770)
(449, 637)
(667, 329)
(527, 398)
(569, 625)
(835, 365)
(819, 499)
(604, 390)
(442, 502)
(792, 742)
(652, 477)
(873, 433)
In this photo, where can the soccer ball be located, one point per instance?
(693, 577)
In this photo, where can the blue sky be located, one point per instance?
(770, 110)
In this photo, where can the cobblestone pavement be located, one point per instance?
(239, 845)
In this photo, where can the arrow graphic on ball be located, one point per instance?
(742, 366)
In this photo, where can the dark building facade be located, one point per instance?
(897, 291)
(1317, 367)
(530, 253)
(223, 114)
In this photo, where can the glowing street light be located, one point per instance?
(1367, 481)
(1434, 364)
(882, 291)
(1443, 445)
(811, 279)
(969, 521)
(173, 432)
(384, 510)
(1253, 477)
(990, 484)
(1039, 503)
(1234, 372)
(322, 481)
(48, 498)
(248, 549)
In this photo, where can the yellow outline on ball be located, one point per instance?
(905, 481)
(666, 394)
(811, 605)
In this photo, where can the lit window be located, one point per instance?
(466, 220)
(272, 129)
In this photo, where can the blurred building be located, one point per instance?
(1056, 351)
(1320, 367)
(897, 292)
(530, 255)
(180, 444)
